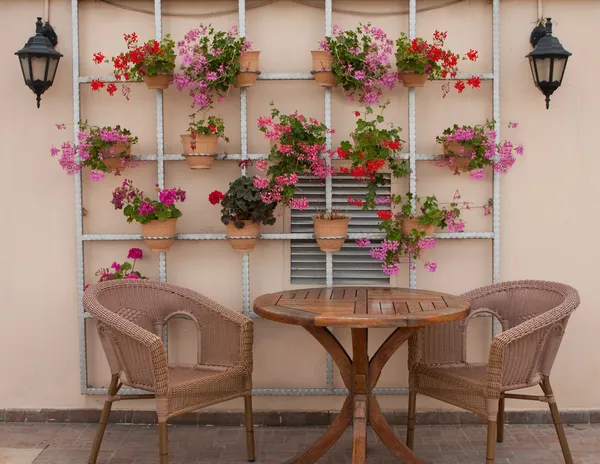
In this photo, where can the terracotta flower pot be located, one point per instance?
(249, 63)
(321, 60)
(112, 156)
(410, 79)
(452, 148)
(195, 150)
(160, 81)
(408, 225)
(250, 229)
(158, 228)
(325, 78)
(330, 228)
(461, 160)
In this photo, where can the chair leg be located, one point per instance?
(249, 428)
(163, 442)
(112, 390)
(500, 421)
(410, 431)
(560, 431)
(491, 442)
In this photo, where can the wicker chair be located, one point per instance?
(130, 316)
(533, 315)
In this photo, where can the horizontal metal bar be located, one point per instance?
(268, 391)
(258, 156)
(294, 236)
(284, 77)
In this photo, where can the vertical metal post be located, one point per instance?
(412, 132)
(496, 180)
(78, 200)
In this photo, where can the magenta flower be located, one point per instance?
(131, 276)
(167, 197)
(146, 208)
(363, 242)
(134, 253)
(431, 267)
(116, 266)
(96, 175)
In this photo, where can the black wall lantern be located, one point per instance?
(39, 60)
(548, 60)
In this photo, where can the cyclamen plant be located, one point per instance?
(299, 146)
(243, 202)
(94, 145)
(479, 143)
(371, 149)
(150, 59)
(209, 63)
(421, 57)
(122, 271)
(137, 207)
(361, 62)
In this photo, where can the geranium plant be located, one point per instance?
(361, 61)
(151, 59)
(299, 148)
(428, 211)
(102, 149)
(208, 125)
(371, 149)
(126, 270)
(137, 207)
(420, 57)
(478, 145)
(209, 63)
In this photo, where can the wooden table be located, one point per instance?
(360, 309)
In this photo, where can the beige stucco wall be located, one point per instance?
(548, 197)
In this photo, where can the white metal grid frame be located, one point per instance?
(160, 157)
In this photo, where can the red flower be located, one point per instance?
(344, 170)
(212, 128)
(385, 214)
(357, 113)
(472, 55)
(391, 144)
(361, 156)
(460, 86)
(474, 82)
(375, 165)
(98, 57)
(111, 89)
(215, 197)
(358, 171)
(97, 84)
(354, 201)
(342, 154)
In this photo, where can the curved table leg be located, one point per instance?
(328, 439)
(337, 352)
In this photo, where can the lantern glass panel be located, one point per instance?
(38, 67)
(25, 68)
(543, 69)
(52, 66)
(559, 68)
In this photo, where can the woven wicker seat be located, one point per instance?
(131, 315)
(533, 315)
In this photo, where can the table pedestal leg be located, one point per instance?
(361, 407)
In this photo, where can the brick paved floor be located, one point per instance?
(137, 444)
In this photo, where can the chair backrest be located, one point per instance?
(540, 310)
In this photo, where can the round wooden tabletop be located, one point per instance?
(361, 307)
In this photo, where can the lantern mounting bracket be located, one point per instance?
(538, 32)
(48, 32)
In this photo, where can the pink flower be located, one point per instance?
(96, 175)
(391, 269)
(167, 196)
(261, 164)
(431, 267)
(260, 182)
(299, 203)
(146, 208)
(476, 174)
(134, 253)
(363, 242)
(116, 266)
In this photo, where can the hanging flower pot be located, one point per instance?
(327, 226)
(460, 160)
(199, 150)
(412, 80)
(408, 225)
(163, 229)
(251, 231)
(321, 68)
(112, 156)
(160, 81)
(249, 72)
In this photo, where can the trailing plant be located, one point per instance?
(137, 207)
(126, 270)
(361, 61)
(94, 144)
(243, 202)
(209, 63)
(428, 211)
(151, 59)
(421, 57)
(371, 149)
(479, 144)
(299, 146)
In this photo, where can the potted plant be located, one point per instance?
(212, 61)
(471, 149)
(371, 149)
(358, 60)
(298, 144)
(102, 149)
(331, 229)
(418, 60)
(200, 143)
(243, 211)
(126, 270)
(158, 217)
(152, 62)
